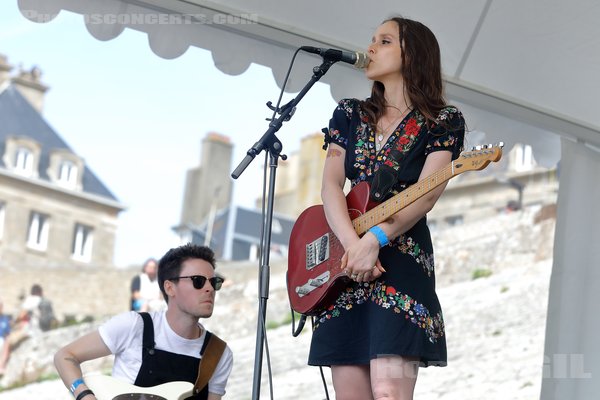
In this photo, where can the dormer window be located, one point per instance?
(23, 161)
(67, 173)
(22, 156)
(65, 169)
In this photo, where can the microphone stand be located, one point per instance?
(273, 146)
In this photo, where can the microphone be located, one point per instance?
(359, 60)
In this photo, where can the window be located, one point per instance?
(67, 174)
(83, 239)
(37, 236)
(21, 155)
(65, 169)
(524, 158)
(2, 217)
(24, 161)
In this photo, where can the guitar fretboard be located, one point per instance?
(391, 206)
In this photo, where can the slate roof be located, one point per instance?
(234, 225)
(19, 118)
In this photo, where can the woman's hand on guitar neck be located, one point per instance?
(360, 261)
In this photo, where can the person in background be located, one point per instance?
(187, 279)
(5, 326)
(145, 292)
(37, 313)
(35, 316)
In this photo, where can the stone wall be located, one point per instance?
(77, 292)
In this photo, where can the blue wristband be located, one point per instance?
(380, 235)
(75, 385)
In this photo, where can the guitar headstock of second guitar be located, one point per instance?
(478, 158)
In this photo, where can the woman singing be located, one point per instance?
(388, 321)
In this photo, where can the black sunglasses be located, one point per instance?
(199, 281)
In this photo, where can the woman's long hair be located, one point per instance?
(421, 69)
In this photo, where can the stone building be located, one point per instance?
(209, 185)
(209, 218)
(298, 184)
(53, 210)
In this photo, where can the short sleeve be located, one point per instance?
(218, 381)
(117, 332)
(339, 124)
(447, 133)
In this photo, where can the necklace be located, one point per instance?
(382, 134)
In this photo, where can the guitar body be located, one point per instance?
(108, 388)
(314, 277)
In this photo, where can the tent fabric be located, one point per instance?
(525, 53)
(522, 71)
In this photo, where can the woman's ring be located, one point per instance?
(353, 276)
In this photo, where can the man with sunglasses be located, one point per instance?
(186, 276)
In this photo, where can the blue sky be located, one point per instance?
(138, 120)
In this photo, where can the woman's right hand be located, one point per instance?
(361, 259)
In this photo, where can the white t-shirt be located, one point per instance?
(149, 290)
(123, 335)
(31, 304)
(150, 293)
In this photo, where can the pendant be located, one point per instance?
(379, 142)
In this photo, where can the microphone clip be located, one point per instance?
(281, 110)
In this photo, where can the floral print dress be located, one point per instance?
(399, 313)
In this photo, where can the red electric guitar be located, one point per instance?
(314, 277)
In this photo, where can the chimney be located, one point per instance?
(31, 87)
(5, 69)
(209, 185)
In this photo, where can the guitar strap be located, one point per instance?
(210, 358)
(386, 177)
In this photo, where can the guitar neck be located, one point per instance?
(409, 195)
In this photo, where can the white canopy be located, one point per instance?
(522, 71)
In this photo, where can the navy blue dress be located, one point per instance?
(398, 313)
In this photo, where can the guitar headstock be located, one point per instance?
(477, 158)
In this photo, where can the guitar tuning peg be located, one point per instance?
(485, 146)
(489, 146)
(478, 147)
(500, 144)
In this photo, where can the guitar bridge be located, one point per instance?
(317, 251)
(312, 284)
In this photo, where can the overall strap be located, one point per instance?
(148, 338)
(212, 350)
(206, 342)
